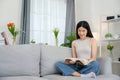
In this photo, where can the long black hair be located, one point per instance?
(85, 25)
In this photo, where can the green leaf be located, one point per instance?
(56, 31)
(108, 35)
(16, 33)
(110, 47)
(11, 30)
(69, 39)
(66, 45)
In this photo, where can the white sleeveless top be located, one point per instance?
(83, 48)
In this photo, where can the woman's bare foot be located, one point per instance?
(77, 74)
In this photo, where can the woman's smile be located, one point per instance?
(82, 32)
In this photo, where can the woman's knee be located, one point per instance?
(59, 63)
(96, 67)
(95, 63)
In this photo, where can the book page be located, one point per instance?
(81, 61)
(84, 61)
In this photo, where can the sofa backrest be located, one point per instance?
(19, 60)
(50, 55)
(37, 60)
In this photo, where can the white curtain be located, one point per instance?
(45, 15)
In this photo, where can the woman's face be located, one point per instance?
(82, 32)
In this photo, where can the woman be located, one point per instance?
(85, 46)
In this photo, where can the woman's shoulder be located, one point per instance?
(93, 40)
(74, 42)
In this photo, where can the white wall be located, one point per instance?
(93, 10)
(10, 11)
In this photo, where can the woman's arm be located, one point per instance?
(74, 54)
(93, 44)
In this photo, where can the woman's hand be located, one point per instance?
(90, 60)
(70, 62)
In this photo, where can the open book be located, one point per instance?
(77, 60)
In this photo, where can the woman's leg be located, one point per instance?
(92, 67)
(66, 69)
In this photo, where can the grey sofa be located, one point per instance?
(37, 62)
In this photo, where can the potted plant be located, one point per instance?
(56, 31)
(13, 31)
(108, 36)
(32, 41)
(110, 47)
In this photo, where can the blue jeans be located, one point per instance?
(67, 69)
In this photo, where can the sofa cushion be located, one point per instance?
(50, 55)
(105, 65)
(19, 60)
(101, 77)
(22, 78)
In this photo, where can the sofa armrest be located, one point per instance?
(105, 65)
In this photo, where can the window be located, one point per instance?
(45, 16)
